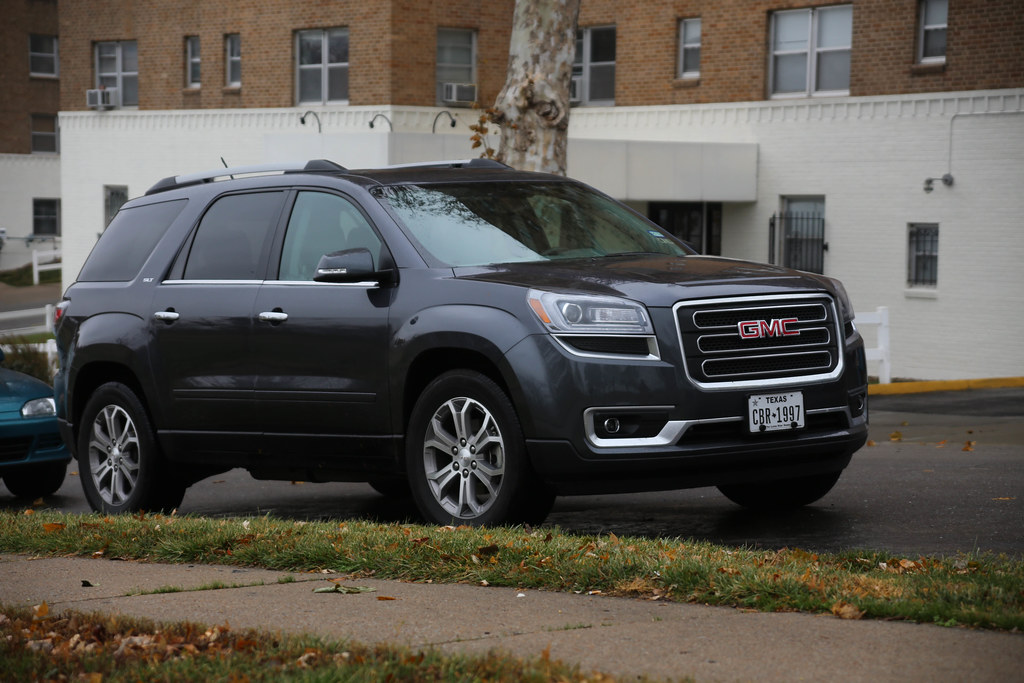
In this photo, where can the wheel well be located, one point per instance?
(92, 376)
(436, 362)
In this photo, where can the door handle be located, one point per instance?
(168, 316)
(273, 317)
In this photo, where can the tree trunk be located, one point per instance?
(532, 110)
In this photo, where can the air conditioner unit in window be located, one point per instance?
(576, 90)
(101, 98)
(458, 93)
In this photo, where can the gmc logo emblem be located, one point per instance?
(756, 329)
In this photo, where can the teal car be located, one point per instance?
(33, 457)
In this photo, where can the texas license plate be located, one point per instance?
(775, 412)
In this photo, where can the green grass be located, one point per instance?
(22, 277)
(36, 646)
(974, 590)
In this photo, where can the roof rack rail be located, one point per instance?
(455, 163)
(313, 166)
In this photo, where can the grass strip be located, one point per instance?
(36, 646)
(978, 590)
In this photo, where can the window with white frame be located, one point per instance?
(923, 255)
(113, 197)
(593, 69)
(46, 217)
(811, 51)
(192, 62)
(117, 66)
(321, 66)
(42, 55)
(44, 133)
(456, 64)
(689, 48)
(233, 60)
(931, 34)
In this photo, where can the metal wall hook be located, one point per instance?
(381, 116)
(445, 112)
(302, 120)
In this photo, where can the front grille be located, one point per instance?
(759, 339)
(16, 448)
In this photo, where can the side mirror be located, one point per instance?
(350, 265)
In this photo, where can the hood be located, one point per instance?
(652, 279)
(16, 388)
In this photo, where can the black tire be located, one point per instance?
(781, 494)
(36, 481)
(466, 456)
(122, 469)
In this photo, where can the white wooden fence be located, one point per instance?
(40, 262)
(880, 353)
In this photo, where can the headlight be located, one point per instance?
(40, 407)
(585, 314)
(845, 307)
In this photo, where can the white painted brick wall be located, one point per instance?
(24, 177)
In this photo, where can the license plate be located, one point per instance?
(775, 412)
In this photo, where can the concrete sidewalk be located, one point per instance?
(620, 636)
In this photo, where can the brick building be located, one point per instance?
(878, 141)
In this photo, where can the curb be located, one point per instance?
(944, 385)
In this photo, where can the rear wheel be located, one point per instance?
(466, 456)
(36, 481)
(121, 464)
(781, 494)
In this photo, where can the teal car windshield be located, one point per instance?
(482, 223)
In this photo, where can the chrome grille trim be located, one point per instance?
(716, 357)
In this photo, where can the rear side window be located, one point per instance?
(127, 242)
(230, 241)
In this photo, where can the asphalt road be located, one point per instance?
(934, 482)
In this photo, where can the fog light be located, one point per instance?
(612, 425)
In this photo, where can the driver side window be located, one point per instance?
(322, 224)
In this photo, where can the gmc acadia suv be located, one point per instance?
(481, 338)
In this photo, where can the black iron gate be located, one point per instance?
(802, 239)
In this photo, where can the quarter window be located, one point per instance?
(192, 62)
(230, 240)
(42, 55)
(593, 69)
(456, 64)
(689, 48)
(233, 60)
(46, 217)
(923, 255)
(117, 66)
(811, 51)
(322, 66)
(44, 133)
(931, 36)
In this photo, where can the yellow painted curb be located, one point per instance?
(944, 385)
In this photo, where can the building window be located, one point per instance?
(42, 55)
(192, 62)
(699, 224)
(931, 35)
(113, 197)
(233, 60)
(117, 66)
(456, 65)
(44, 133)
(802, 226)
(923, 255)
(811, 51)
(322, 66)
(689, 48)
(593, 70)
(46, 217)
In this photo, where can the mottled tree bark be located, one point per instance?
(532, 110)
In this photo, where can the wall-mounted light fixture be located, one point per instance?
(302, 120)
(444, 112)
(381, 116)
(947, 180)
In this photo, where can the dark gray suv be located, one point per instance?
(479, 338)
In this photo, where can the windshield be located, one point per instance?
(471, 224)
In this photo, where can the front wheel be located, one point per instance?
(781, 494)
(466, 456)
(121, 464)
